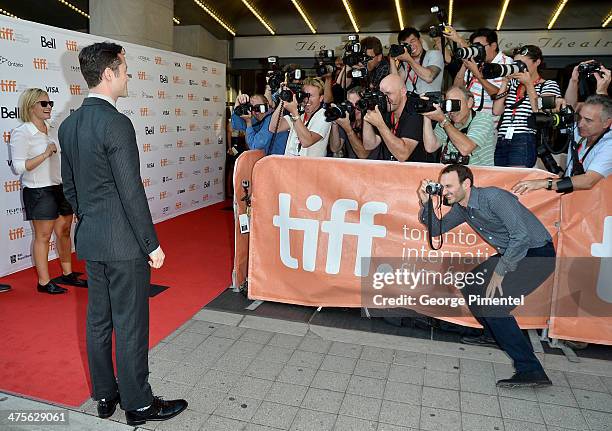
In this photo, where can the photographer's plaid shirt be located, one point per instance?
(500, 219)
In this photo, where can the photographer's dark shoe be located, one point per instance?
(159, 410)
(106, 408)
(525, 379)
(483, 340)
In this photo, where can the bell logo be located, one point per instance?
(40, 63)
(6, 136)
(163, 79)
(365, 231)
(146, 182)
(75, 89)
(163, 195)
(7, 33)
(163, 162)
(146, 148)
(144, 112)
(16, 233)
(149, 130)
(8, 86)
(71, 45)
(604, 250)
(12, 186)
(163, 129)
(47, 43)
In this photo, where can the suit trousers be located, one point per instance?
(118, 299)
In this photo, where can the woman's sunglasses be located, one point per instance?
(44, 103)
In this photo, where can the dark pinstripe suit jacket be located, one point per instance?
(101, 176)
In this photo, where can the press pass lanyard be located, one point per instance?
(394, 124)
(473, 81)
(416, 77)
(306, 122)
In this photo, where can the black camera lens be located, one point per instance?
(434, 189)
(476, 52)
(243, 109)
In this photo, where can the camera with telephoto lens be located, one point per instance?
(552, 127)
(454, 159)
(494, 70)
(339, 111)
(422, 106)
(370, 99)
(586, 70)
(434, 188)
(353, 54)
(565, 118)
(442, 26)
(475, 52)
(396, 50)
(324, 62)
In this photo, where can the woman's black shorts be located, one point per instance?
(45, 203)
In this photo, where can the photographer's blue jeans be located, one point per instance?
(518, 151)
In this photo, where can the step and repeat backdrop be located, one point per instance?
(176, 103)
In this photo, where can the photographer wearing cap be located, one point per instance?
(308, 132)
(399, 133)
(525, 261)
(377, 67)
(600, 74)
(465, 136)
(421, 70)
(589, 158)
(257, 124)
(469, 74)
(516, 101)
(345, 139)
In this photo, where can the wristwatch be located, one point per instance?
(445, 121)
(549, 184)
(294, 117)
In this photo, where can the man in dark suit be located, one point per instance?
(115, 235)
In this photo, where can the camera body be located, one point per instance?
(286, 94)
(433, 189)
(494, 70)
(339, 111)
(586, 70)
(353, 54)
(454, 159)
(370, 99)
(422, 106)
(243, 109)
(396, 50)
(475, 52)
(324, 62)
(275, 75)
(565, 118)
(441, 27)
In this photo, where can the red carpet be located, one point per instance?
(43, 354)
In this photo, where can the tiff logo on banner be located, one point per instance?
(604, 250)
(365, 231)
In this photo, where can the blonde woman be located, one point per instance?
(34, 155)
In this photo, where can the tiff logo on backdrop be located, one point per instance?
(12, 186)
(6, 136)
(8, 85)
(71, 45)
(7, 33)
(75, 89)
(16, 233)
(40, 63)
(336, 227)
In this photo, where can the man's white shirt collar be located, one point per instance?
(103, 97)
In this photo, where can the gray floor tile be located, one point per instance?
(347, 423)
(338, 364)
(285, 340)
(286, 393)
(256, 427)
(245, 348)
(520, 410)
(264, 370)
(472, 422)
(503, 371)
(562, 416)
(218, 423)
(306, 359)
(172, 352)
(472, 366)
(442, 363)
(330, 380)
(480, 404)
(598, 421)
(257, 336)
(296, 375)
(322, 400)
(309, 420)
(189, 420)
(586, 382)
(519, 393)
(557, 378)
(159, 368)
(412, 359)
(389, 427)
(251, 387)
(360, 407)
(366, 386)
(237, 407)
(315, 345)
(377, 354)
(514, 425)
(189, 339)
(201, 327)
(235, 363)
(440, 379)
(217, 380)
(170, 390)
(438, 420)
(378, 370)
(478, 384)
(186, 374)
(232, 332)
(404, 374)
(205, 400)
(274, 354)
(608, 383)
(440, 398)
(345, 349)
(275, 415)
(559, 395)
(400, 414)
(590, 400)
(403, 393)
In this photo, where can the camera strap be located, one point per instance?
(299, 146)
(394, 125)
(473, 81)
(577, 162)
(464, 131)
(430, 213)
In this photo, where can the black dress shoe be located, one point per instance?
(525, 379)
(51, 288)
(106, 408)
(4, 288)
(482, 340)
(159, 410)
(71, 279)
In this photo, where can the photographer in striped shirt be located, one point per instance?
(516, 101)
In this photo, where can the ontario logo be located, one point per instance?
(336, 227)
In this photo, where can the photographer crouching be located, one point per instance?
(589, 158)
(466, 137)
(253, 115)
(525, 260)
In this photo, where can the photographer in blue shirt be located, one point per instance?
(256, 123)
